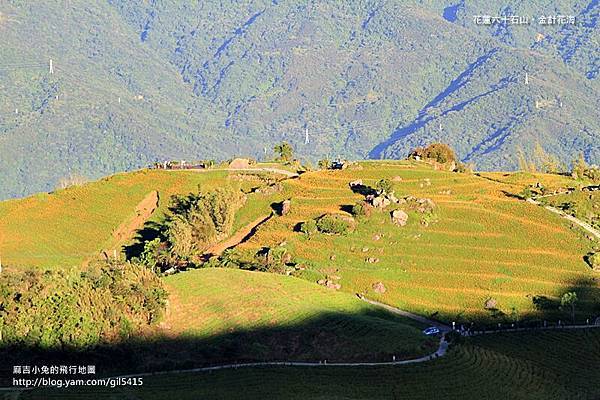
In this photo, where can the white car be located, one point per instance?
(431, 331)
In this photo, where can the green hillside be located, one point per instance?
(67, 227)
(482, 244)
(274, 317)
(480, 254)
(142, 81)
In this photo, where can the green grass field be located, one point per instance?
(284, 318)
(66, 227)
(528, 366)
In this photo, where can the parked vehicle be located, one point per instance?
(431, 331)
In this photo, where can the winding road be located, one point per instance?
(571, 218)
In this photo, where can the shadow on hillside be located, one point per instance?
(150, 231)
(363, 189)
(512, 195)
(372, 335)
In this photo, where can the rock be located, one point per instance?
(270, 189)
(381, 202)
(239, 163)
(332, 257)
(357, 182)
(365, 249)
(372, 260)
(329, 284)
(286, 206)
(399, 217)
(333, 285)
(376, 237)
(335, 277)
(491, 304)
(379, 287)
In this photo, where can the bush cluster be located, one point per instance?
(333, 224)
(194, 223)
(439, 152)
(58, 308)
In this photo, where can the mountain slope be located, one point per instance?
(138, 81)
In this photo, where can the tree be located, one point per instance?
(579, 167)
(544, 161)
(324, 164)
(439, 152)
(568, 300)
(230, 259)
(284, 151)
(384, 187)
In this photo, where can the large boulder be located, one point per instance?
(381, 202)
(399, 217)
(490, 304)
(240, 163)
(286, 206)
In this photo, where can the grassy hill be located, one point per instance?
(66, 227)
(273, 317)
(139, 81)
(485, 244)
(481, 243)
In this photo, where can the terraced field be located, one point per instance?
(485, 244)
(66, 227)
(529, 366)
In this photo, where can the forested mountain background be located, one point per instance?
(139, 80)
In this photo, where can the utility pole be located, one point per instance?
(51, 67)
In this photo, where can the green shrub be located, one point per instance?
(309, 227)
(361, 209)
(526, 193)
(194, 223)
(384, 186)
(273, 259)
(333, 224)
(284, 151)
(324, 164)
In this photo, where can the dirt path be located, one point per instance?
(571, 218)
(288, 174)
(442, 327)
(240, 236)
(128, 228)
